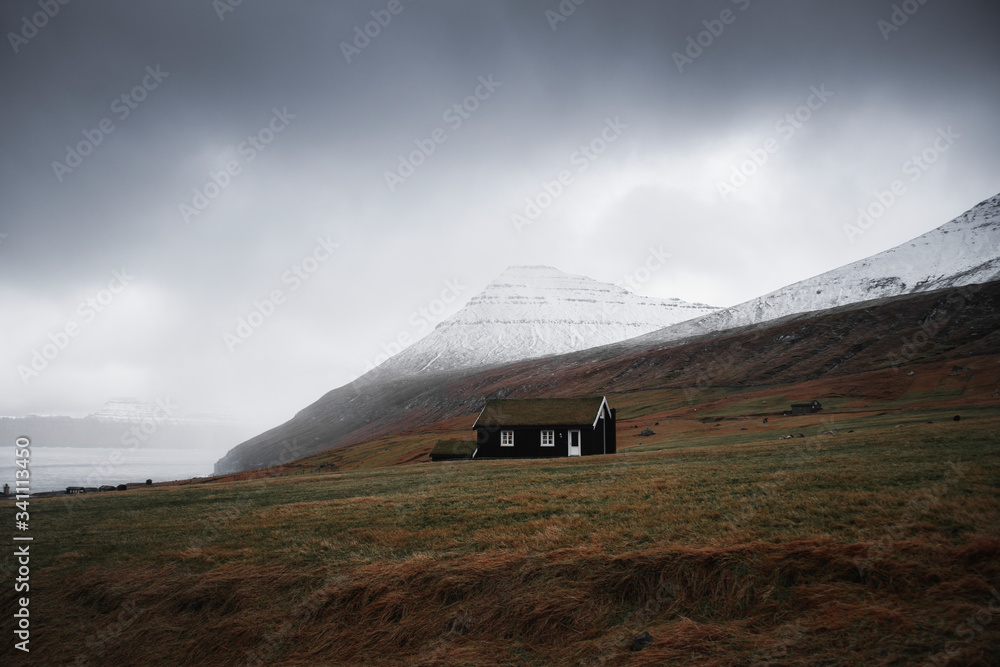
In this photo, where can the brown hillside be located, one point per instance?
(894, 334)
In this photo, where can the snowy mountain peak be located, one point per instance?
(520, 272)
(535, 311)
(124, 409)
(964, 251)
(984, 217)
(131, 410)
(963, 248)
(540, 280)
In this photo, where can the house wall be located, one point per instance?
(527, 441)
(606, 437)
(613, 433)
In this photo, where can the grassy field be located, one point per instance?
(730, 547)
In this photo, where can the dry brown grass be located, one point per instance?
(872, 548)
(798, 603)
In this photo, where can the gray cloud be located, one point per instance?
(324, 174)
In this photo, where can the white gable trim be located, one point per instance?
(600, 410)
(480, 415)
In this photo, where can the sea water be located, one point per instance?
(55, 468)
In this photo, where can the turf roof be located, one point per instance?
(540, 411)
(454, 448)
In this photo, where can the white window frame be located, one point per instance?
(506, 438)
(551, 438)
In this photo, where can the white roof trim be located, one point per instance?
(480, 414)
(600, 410)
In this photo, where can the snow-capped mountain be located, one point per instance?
(535, 311)
(163, 410)
(965, 251)
(130, 422)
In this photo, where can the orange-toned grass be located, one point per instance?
(795, 603)
(730, 547)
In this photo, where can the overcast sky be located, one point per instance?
(205, 150)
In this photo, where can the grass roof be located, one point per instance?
(540, 411)
(457, 448)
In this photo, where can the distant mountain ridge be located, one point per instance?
(135, 410)
(848, 340)
(127, 422)
(964, 251)
(535, 311)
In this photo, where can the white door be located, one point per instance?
(574, 443)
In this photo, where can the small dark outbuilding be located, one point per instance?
(545, 428)
(452, 450)
(806, 408)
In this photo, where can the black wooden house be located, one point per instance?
(545, 428)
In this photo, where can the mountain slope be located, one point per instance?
(886, 333)
(408, 388)
(536, 311)
(965, 251)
